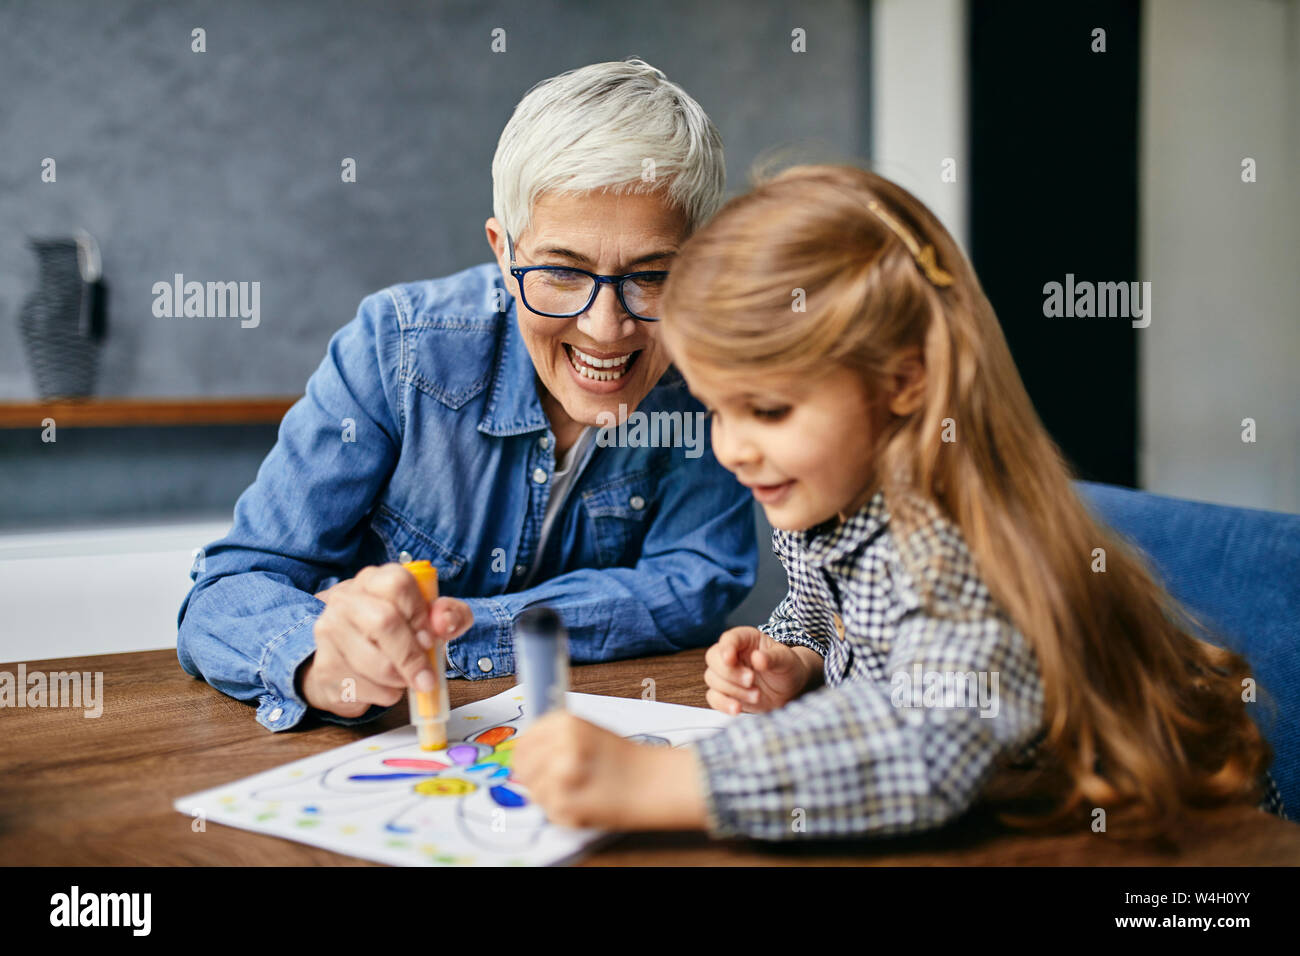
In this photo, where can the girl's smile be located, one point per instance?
(804, 447)
(771, 494)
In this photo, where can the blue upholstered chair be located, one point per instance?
(1238, 569)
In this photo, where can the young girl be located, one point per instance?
(939, 559)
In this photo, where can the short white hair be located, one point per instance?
(595, 128)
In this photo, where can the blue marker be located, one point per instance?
(542, 656)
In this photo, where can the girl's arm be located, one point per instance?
(816, 668)
(786, 625)
(868, 757)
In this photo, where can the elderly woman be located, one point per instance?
(472, 420)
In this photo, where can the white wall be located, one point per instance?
(97, 591)
(919, 102)
(1220, 82)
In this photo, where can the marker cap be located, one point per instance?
(542, 655)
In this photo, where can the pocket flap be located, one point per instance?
(399, 533)
(631, 497)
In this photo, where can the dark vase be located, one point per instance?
(62, 322)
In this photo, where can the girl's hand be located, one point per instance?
(582, 775)
(748, 671)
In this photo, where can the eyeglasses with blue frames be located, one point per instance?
(561, 292)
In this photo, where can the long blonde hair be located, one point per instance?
(1142, 717)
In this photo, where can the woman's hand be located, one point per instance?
(582, 775)
(748, 671)
(372, 641)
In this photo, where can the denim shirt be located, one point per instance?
(422, 431)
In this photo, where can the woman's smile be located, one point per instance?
(597, 370)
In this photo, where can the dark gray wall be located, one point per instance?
(109, 476)
(224, 165)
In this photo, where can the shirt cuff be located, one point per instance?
(487, 649)
(727, 780)
(281, 707)
(714, 823)
(792, 638)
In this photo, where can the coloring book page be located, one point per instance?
(385, 799)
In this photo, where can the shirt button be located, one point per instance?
(544, 441)
(539, 475)
(839, 627)
(485, 664)
(276, 714)
(637, 502)
(519, 570)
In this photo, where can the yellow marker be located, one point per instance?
(430, 709)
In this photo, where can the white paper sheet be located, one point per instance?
(385, 799)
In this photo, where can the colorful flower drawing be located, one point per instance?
(384, 798)
(491, 809)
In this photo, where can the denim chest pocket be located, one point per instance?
(399, 533)
(620, 513)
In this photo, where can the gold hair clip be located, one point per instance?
(924, 256)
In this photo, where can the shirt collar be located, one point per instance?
(833, 540)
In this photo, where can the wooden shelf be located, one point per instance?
(143, 412)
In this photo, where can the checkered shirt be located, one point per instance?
(895, 742)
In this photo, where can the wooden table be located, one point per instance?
(77, 791)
